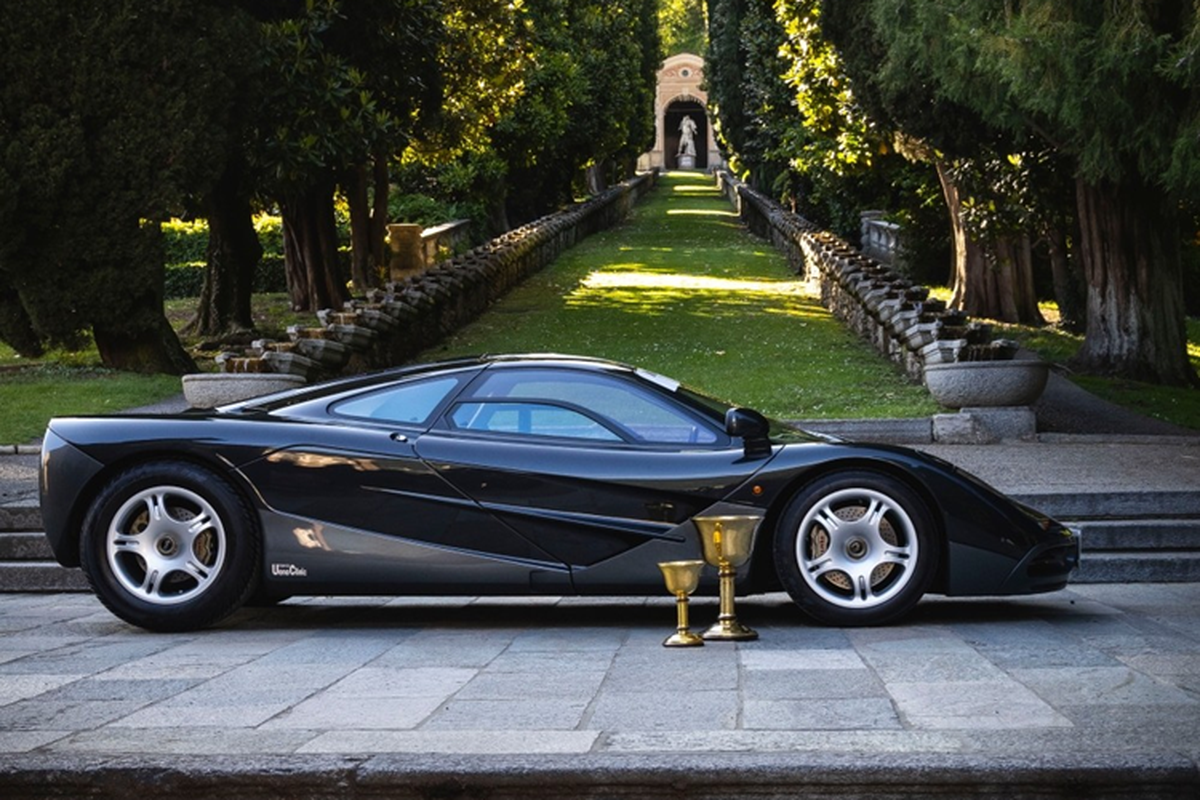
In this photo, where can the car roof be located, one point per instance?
(380, 377)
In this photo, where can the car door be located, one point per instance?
(587, 465)
(364, 511)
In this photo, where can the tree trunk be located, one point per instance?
(357, 197)
(1068, 283)
(989, 281)
(1130, 250)
(380, 255)
(1009, 283)
(970, 263)
(16, 328)
(594, 176)
(310, 250)
(233, 255)
(151, 349)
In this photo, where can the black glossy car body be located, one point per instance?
(513, 475)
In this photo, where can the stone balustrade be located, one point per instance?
(873, 299)
(415, 249)
(881, 239)
(935, 346)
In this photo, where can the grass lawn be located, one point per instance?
(64, 383)
(30, 396)
(682, 289)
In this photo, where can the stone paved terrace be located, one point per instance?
(1094, 690)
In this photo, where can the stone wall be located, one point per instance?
(392, 325)
(897, 317)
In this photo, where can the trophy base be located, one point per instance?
(683, 639)
(729, 631)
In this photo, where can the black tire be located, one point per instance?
(856, 548)
(171, 546)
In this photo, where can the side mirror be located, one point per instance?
(752, 428)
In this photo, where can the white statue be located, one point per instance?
(687, 137)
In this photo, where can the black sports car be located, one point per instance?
(513, 475)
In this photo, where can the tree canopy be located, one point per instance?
(110, 115)
(116, 116)
(1064, 136)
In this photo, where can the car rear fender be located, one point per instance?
(80, 477)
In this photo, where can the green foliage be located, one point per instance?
(317, 111)
(185, 247)
(185, 242)
(834, 134)
(682, 27)
(723, 73)
(113, 115)
(1111, 85)
(585, 98)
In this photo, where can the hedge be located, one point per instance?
(186, 243)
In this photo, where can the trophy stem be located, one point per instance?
(682, 636)
(727, 627)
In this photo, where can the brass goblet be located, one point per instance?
(728, 542)
(682, 578)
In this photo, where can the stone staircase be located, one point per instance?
(1127, 537)
(26, 563)
(1131, 537)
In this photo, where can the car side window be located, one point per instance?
(529, 419)
(645, 416)
(404, 404)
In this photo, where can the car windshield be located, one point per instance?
(781, 432)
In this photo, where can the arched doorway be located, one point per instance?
(672, 117)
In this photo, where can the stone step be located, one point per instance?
(24, 546)
(1115, 505)
(20, 517)
(1167, 566)
(40, 576)
(1138, 535)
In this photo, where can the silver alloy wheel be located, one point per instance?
(857, 548)
(166, 545)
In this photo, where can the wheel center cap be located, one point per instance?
(856, 548)
(167, 546)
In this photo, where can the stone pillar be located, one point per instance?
(408, 254)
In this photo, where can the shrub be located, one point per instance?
(185, 242)
(184, 279)
(186, 245)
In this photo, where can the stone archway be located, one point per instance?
(672, 117)
(677, 95)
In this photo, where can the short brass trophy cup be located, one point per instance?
(681, 578)
(728, 543)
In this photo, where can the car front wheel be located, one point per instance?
(170, 546)
(856, 548)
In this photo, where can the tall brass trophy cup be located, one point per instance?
(682, 578)
(728, 543)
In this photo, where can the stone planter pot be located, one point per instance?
(211, 389)
(963, 384)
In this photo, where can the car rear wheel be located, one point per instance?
(856, 548)
(170, 546)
